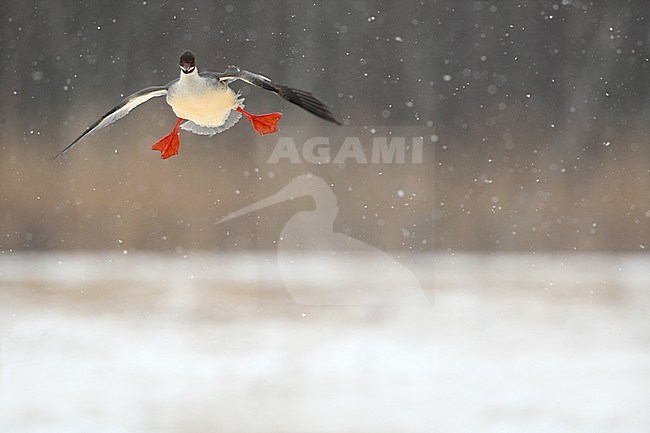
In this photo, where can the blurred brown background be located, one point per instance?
(535, 117)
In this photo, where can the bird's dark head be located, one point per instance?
(187, 62)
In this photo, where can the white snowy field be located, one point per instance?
(215, 343)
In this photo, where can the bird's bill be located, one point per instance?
(280, 196)
(187, 68)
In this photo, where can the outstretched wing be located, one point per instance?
(301, 98)
(119, 111)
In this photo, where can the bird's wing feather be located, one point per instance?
(301, 98)
(119, 111)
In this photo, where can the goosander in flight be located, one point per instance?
(208, 105)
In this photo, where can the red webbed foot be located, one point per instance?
(262, 123)
(169, 144)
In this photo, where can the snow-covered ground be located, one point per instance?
(207, 342)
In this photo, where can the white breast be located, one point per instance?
(201, 100)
